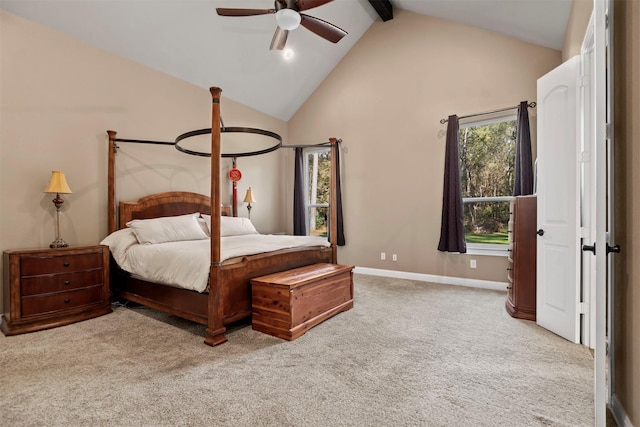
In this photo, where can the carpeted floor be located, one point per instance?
(408, 354)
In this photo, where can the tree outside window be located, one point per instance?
(318, 181)
(487, 165)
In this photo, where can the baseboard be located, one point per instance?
(445, 280)
(618, 412)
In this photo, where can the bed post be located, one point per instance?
(333, 203)
(111, 189)
(215, 323)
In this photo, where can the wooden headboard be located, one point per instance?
(166, 204)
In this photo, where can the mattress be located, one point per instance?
(185, 264)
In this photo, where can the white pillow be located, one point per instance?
(207, 221)
(236, 226)
(119, 241)
(205, 225)
(232, 226)
(167, 229)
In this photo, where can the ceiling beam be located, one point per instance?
(384, 8)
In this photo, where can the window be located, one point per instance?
(487, 163)
(318, 186)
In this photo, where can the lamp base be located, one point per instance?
(58, 243)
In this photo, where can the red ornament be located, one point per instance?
(235, 175)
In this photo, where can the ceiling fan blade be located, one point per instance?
(243, 12)
(322, 28)
(310, 4)
(279, 39)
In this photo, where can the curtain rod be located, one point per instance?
(321, 144)
(142, 141)
(530, 105)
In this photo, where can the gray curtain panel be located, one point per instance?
(452, 226)
(523, 183)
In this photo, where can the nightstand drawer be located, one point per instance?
(42, 304)
(36, 265)
(46, 284)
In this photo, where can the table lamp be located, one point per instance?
(248, 198)
(58, 185)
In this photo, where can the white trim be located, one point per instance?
(487, 199)
(619, 414)
(469, 123)
(487, 249)
(445, 280)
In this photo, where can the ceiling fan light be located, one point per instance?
(288, 19)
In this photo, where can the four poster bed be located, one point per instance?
(227, 297)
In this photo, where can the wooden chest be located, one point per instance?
(289, 303)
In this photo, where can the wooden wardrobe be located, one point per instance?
(521, 272)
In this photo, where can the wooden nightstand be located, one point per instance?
(46, 288)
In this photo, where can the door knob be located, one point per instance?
(540, 232)
(615, 249)
(591, 248)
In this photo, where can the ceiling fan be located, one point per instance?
(288, 17)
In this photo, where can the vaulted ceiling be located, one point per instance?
(187, 39)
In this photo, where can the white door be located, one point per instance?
(558, 249)
(603, 154)
(597, 198)
(588, 177)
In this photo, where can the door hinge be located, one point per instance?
(584, 157)
(583, 81)
(607, 129)
(584, 233)
(584, 308)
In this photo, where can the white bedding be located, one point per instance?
(185, 264)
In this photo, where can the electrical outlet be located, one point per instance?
(472, 263)
(394, 257)
(383, 256)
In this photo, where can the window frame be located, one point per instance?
(307, 202)
(487, 248)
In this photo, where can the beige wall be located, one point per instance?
(576, 28)
(385, 100)
(626, 24)
(58, 98)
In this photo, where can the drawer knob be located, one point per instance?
(67, 282)
(67, 264)
(67, 301)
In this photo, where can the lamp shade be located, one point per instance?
(288, 19)
(248, 197)
(58, 184)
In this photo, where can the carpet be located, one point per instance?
(408, 354)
